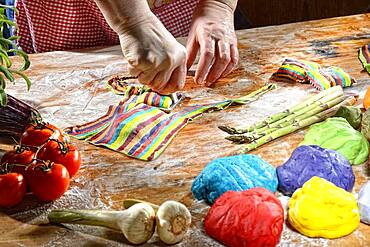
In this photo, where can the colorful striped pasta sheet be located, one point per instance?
(364, 56)
(310, 72)
(143, 94)
(122, 85)
(144, 131)
(133, 98)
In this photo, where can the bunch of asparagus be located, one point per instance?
(315, 109)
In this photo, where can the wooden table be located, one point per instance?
(68, 88)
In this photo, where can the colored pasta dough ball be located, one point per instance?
(352, 114)
(309, 161)
(337, 134)
(253, 217)
(235, 173)
(364, 203)
(321, 209)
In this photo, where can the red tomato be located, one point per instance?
(18, 156)
(62, 153)
(12, 189)
(48, 181)
(36, 135)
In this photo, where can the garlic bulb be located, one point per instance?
(173, 220)
(136, 223)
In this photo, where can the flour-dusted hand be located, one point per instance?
(212, 33)
(153, 54)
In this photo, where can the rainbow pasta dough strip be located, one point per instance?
(310, 72)
(142, 129)
(86, 130)
(294, 70)
(145, 131)
(138, 94)
(132, 97)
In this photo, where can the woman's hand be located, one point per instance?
(154, 55)
(212, 32)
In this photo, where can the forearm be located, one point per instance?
(121, 15)
(222, 3)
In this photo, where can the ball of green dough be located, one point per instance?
(337, 134)
(352, 114)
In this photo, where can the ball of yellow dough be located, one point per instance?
(321, 209)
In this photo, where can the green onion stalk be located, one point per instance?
(137, 222)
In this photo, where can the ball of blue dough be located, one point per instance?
(309, 161)
(235, 173)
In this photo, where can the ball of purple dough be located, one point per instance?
(309, 161)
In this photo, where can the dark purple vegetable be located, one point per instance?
(16, 116)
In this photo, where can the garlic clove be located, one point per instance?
(137, 223)
(173, 220)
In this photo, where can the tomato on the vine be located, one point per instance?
(48, 181)
(12, 189)
(62, 153)
(20, 157)
(36, 135)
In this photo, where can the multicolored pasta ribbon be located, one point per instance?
(136, 94)
(143, 130)
(310, 72)
(364, 56)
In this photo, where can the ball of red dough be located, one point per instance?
(253, 217)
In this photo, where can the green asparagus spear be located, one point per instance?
(316, 107)
(281, 115)
(256, 93)
(298, 125)
(252, 136)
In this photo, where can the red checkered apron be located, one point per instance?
(49, 25)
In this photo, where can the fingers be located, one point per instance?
(142, 69)
(225, 58)
(160, 80)
(192, 48)
(134, 71)
(176, 81)
(147, 77)
(213, 64)
(178, 77)
(234, 55)
(222, 60)
(207, 53)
